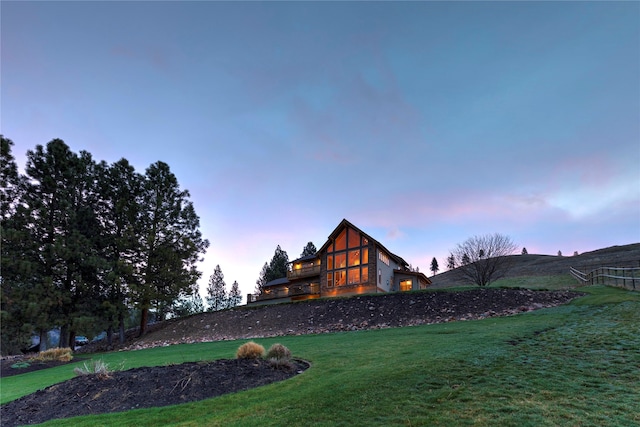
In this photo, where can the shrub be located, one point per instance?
(59, 354)
(279, 356)
(20, 365)
(95, 367)
(250, 350)
(278, 351)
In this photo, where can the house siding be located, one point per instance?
(384, 272)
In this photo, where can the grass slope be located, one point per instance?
(537, 266)
(572, 365)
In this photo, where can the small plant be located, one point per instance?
(95, 367)
(279, 356)
(20, 365)
(56, 354)
(278, 351)
(250, 350)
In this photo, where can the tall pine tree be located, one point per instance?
(121, 188)
(217, 291)
(19, 256)
(61, 194)
(171, 244)
(262, 279)
(278, 266)
(310, 249)
(235, 297)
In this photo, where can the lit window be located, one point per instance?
(354, 276)
(354, 238)
(341, 260)
(354, 258)
(347, 259)
(340, 277)
(406, 285)
(341, 241)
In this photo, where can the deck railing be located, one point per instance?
(303, 272)
(291, 291)
(628, 278)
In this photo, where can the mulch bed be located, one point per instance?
(143, 388)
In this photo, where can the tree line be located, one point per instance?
(85, 242)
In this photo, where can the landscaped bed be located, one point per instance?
(179, 383)
(144, 388)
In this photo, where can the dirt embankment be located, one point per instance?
(350, 314)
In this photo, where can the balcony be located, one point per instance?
(307, 271)
(310, 289)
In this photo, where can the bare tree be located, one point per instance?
(484, 259)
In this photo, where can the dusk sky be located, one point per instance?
(423, 123)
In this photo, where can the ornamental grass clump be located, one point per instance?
(250, 350)
(95, 367)
(55, 354)
(278, 351)
(279, 356)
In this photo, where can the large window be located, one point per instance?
(348, 259)
(406, 285)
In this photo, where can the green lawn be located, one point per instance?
(571, 365)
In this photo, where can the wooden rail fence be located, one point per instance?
(628, 278)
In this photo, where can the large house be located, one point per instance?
(350, 262)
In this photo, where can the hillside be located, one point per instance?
(550, 265)
(382, 310)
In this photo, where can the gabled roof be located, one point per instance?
(416, 274)
(274, 282)
(305, 258)
(345, 223)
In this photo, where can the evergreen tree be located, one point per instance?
(451, 262)
(189, 304)
(18, 260)
(235, 297)
(171, 243)
(434, 266)
(262, 279)
(9, 178)
(217, 291)
(310, 249)
(121, 189)
(279, 265)
(465, 259)
(61, 195)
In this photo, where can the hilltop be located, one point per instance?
(551, 265)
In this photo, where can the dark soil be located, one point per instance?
(143, 388)
(159, 386)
